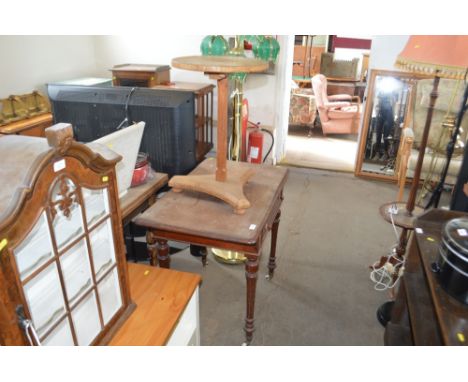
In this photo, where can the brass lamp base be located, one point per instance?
(228, 257)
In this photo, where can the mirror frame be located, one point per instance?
(368, 106)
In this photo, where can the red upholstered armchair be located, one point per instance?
(338, 114)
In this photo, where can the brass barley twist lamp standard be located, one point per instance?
(443, 57)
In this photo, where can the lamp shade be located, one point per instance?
(267, 49)
(446, 55)
(214, 45)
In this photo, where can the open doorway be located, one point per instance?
(323, 130)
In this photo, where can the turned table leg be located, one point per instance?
(204, 254)
(251, 273)
(162, 250)
(151, 247)
(274, 235)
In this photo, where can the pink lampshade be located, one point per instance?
(446, 55)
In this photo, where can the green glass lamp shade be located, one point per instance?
(267, 49)
(214, 45)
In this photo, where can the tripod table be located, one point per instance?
(223, 184)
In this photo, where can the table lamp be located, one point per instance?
(441, 57)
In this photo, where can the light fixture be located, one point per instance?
(267, 48)
(214, 45)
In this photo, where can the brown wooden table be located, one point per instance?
(34, 126)
(201, 219)
(424, 313)
(160, 296)
(142, 75)
(138, 199)
(141, 197)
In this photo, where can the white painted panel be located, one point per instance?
(187, 331)
(30, 62)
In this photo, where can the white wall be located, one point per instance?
(282, 93)
(385, 49)
(147, 49)
(260, 90)
(29, 62)
(160, 50)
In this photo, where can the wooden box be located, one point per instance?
(140, 75)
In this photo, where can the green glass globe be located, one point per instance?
(267, 49)
(214, 45)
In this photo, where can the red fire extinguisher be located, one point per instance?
(253, 153)
(255, 147)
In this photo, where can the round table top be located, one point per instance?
(220, 64)
(401, 219)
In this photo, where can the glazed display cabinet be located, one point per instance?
(63, 276)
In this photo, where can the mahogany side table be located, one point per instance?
(201, 219)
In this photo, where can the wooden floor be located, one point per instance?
(334, 152)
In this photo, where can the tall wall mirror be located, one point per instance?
(386, 114)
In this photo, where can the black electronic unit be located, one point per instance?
(451, 266)
(95, 111)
